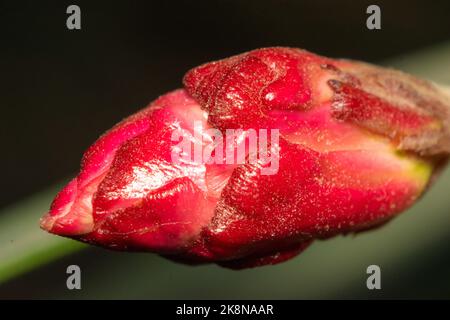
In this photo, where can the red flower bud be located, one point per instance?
(357, 145)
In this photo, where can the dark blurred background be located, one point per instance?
(61, 89)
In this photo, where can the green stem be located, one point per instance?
(23, 246)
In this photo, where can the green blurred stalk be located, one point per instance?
(24, 247)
